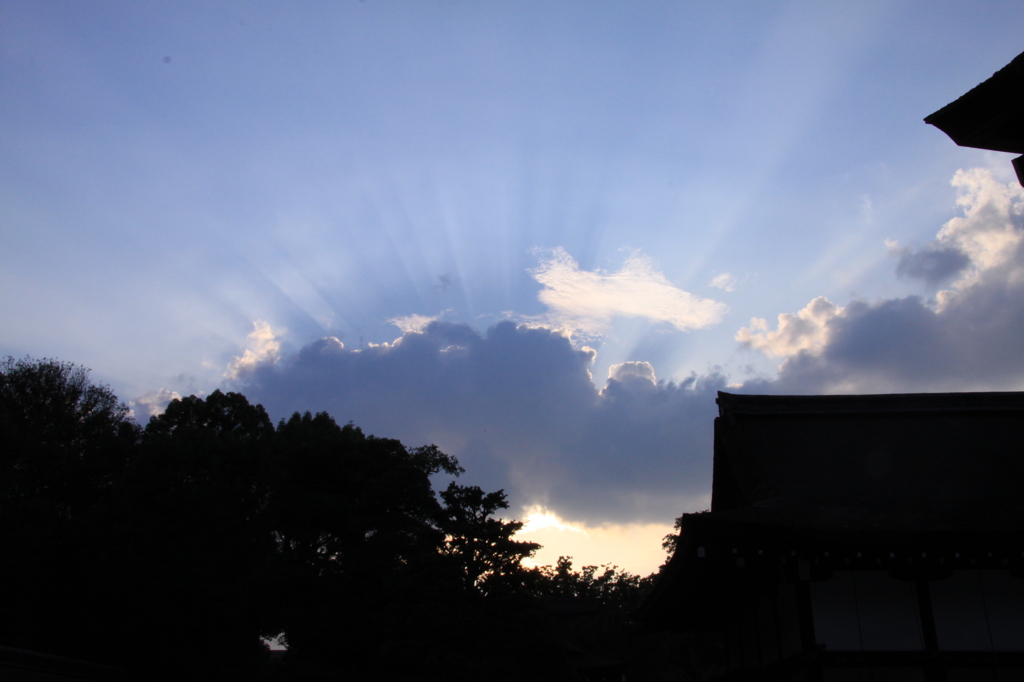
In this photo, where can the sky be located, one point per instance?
(541, 235)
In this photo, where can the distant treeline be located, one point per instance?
(176, 550)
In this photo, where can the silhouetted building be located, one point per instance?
(990, 116)
(858, 538)
(19, 665)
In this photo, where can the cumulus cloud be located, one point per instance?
(518, 407)
(990, 231)
(264, 348)
(154, 403)
(584, 301)
(632, 371)
(966, 338)
(806, 330)
(986, 236)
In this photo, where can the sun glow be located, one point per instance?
(634, 547)
(539, 518)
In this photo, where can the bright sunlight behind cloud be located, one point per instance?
(266, 347)
(636, 546)
(413, 323)
(588, 301)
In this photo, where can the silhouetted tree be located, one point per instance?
(354, 522)
(488, 558)
(220, 415)
(65, 439)
(64, 444)
(172, 550)
(190, 513)
(671, 541)
(613, 588)
(589, 615)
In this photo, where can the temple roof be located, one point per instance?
(945, 461)
(990, 115)
(736, 403)
(881, 482)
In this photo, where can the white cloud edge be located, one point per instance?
(265, 346)
(587, 302)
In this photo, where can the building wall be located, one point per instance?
(868, 626)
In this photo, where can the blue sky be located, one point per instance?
(454, 222)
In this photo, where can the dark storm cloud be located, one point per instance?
(648, 443)
(518, 408)
(934, 264)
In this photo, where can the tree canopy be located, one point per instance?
(176, 550)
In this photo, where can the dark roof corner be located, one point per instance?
(990, 115)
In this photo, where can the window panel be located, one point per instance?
(961, 623)
(1004, 602)
(733, 650)
(834, 607)
(767, 630)
(789, 620)
(889, 619)
(748, 639)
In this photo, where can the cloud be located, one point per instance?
(724, 280)
(632, 371)
(990, 231)
(518, 408)
(934, 264)
(154, 403)
(412, 323)
(266, 348)
(588, 301)
(985, 237)
(967, 338)
(806, 330)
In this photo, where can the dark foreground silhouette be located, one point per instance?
(176, 550)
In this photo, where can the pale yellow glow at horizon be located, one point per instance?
(633, 547)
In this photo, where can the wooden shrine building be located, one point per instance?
(858, 538)
(990, 116)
